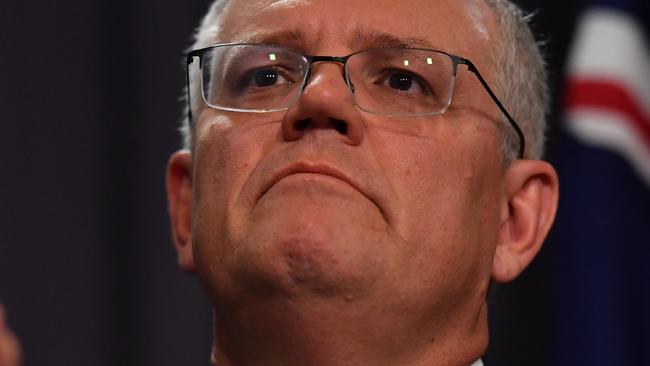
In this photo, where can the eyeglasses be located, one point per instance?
(396, 82)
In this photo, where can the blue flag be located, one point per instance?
(602, 234)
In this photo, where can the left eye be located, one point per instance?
(401, 81)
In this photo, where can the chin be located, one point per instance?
(306, 255)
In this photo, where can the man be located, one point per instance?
(337, 204)
(350, 188)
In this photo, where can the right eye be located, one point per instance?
(262, 78)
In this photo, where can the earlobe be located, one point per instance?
(528, 210)
(179, 196)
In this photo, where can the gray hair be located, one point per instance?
(205, 34)
(520, 77)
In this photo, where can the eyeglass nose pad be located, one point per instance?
(307, 78)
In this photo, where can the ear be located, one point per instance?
(179, 196)
(527, 212)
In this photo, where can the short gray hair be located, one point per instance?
(204, 35)
(520, 77)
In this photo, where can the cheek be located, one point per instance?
(427, 185)
(224, 157)
(221, 162)
(446, 192)
(424, 173)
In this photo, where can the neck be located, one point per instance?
(342, 332)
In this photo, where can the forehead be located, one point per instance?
(464, 27)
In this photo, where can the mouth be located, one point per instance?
(310, 168)
(329, 171)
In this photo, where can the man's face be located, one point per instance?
(326, 201)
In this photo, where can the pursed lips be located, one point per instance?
(325, 169)
(313, 168)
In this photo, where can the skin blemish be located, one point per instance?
(287, 4)
(477, 15)
(469, 173)
(211, 119)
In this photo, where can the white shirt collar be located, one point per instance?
(478, 363)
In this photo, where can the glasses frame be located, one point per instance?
(311, 59)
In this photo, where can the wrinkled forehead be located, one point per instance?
(465, 27)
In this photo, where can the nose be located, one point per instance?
(326, 105)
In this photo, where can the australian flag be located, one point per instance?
(602, 234)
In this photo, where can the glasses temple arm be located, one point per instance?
(187, 87)
(520, 134)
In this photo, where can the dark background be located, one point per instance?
(89, 95)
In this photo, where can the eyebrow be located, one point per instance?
(290, 38)
(365, 38)
(361, 38)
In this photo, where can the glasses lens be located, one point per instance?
(401, 81)
(252, 77)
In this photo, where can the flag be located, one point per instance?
(601, 246)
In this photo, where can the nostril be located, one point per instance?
(301, 124)
(341, 126)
